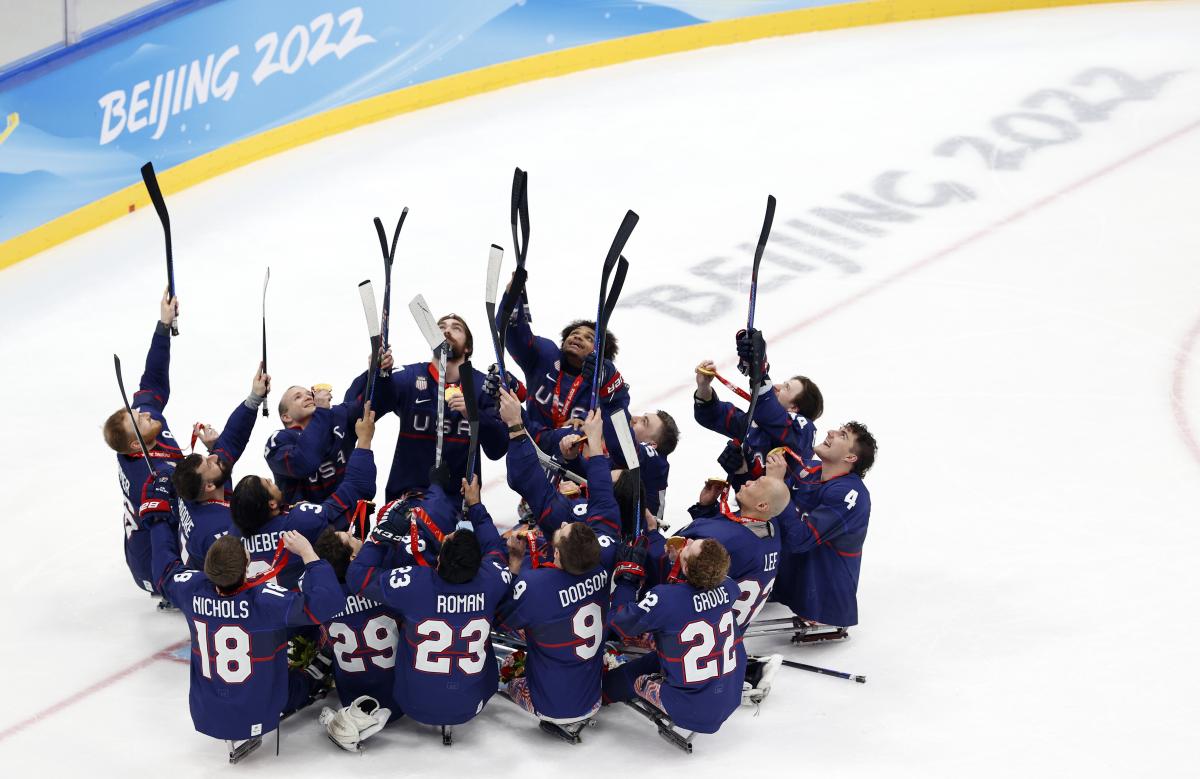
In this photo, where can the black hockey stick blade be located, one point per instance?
(266, 281)
(519, 214)
(621, 238)
(160, 205)
(467, 378)
(614, 291)
(763, 235)
(132, 419)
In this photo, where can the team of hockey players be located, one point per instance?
(292, 583)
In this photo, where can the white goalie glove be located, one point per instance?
(760, 673)
(349, 726)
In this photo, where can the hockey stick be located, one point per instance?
(605, 305)
(466, 375)
(825, 671)
(756, 370)
(366, 292)
(620, 423)
(132, 419)
(437, 342)
(518, 217)
(389, 256)
(160, 206)
(495, 263)
(266, 280)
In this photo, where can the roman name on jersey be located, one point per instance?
(709, 599)
(583, 589)
(457, 604)
(225, 609)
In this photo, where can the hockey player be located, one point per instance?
(203, 484)
(750, 535)
(446, 669)
(823, 539)
(363, 638)
(695, 675)
(414, 394)
(559, 375)
(240, 684)
(308, 456)
(783, 417)
(136, 476)
(261, 515)
(550, 507)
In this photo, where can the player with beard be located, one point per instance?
(308, 456)
(559, 375)
(203, 485)
(413, 395)
(149, 403)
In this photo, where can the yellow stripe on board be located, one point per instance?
(492, 77)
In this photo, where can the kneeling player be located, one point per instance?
(240, 682)
(696, 674)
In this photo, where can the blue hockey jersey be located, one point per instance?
(699, 651)
(363, 637)
(551, 508)
(654, 466)
(239, 669)
(446, 670)
(309, 463)
(413, 399)
(753, 560)
(311, 519)
(154, 390)
(774, 426)
(822, 539)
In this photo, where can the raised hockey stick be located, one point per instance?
(366, 292)
(132, 419)
(756, 369)
(491, 296)
(519, 219)
(437, 342)
(266, 280)
(160, 205)
(389, 256)
(605, 306)
(466, 376)
(620, 423)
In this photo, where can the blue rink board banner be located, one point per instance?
(78, 127)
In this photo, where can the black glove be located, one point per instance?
(392, 526)
(631, 565)
(752, 351)
(732, 459)
(491, 384)
(589, 369)
(440, 474)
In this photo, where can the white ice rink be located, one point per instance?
(1024, 344)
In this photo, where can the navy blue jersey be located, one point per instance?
(774, 426)
(363, 638)
(822, 538)
(564, 617)
(154, 390)
(202, 523)
(309, 462)
(239, 669)
(413, 395)
(557, 393)
(654, 466)
(700, 653)
(753, 560)
(445, 670)
(431, 513)
(551, 508)
(311, 519)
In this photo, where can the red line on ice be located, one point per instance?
(797, 327)
(1179, 389)
(87, 692)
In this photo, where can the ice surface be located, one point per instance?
(1026, 354)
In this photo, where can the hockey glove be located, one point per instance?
(589, 369)
(393, 529)
(440, 475)
(491, 384)
(751, 351)
(631, 565)
(157, 505)
(732, 460)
